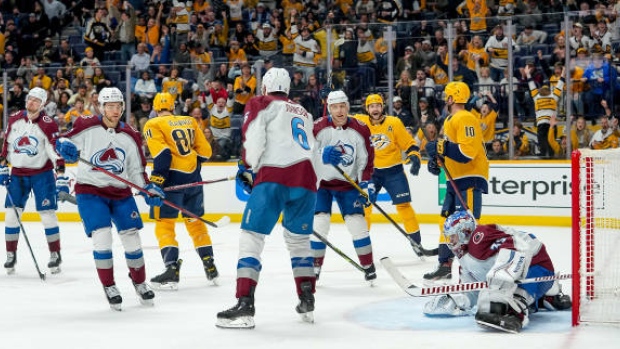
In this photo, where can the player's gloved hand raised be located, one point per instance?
(153, 195)
(332, 155)
(370, 193)
(5, 175)
(67, 150)
(62, 185)
(245, 177)
(433, 166)
(414, 160)
(434, 148)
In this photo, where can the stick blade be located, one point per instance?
(222, 222)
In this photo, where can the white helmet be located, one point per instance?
(276, 80)
(338, 96)
(38, 93)
(111, 94)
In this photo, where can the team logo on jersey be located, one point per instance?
(26, 145)
(379, 141)
(46, 203)
(134, 215)
(111, 159)
(47, 119)
(348, 153)
(478, 237)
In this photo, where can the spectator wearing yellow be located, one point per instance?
(77, 111)
(244, 88)
(41, 80)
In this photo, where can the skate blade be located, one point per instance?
(242, 322)
(116, 307)
(490, 326)
(55, 270)
(168, 286)
(10, 271)
(371, 283)
(307, 317)
(215, 281)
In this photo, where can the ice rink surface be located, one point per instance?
(69, 309)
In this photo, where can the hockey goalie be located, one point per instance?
(502, 257)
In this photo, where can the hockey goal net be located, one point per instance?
(596, 236)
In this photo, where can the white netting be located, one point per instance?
(599, 236)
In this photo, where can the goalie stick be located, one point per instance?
(416, 291)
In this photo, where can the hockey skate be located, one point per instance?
(114, 297)
(169, 279)
(54, 263)
(305, 308)
(370, 274)
(145, 294)
(442, 274)
(558, 302)
(317, 271)
(9, 265)
(210, 269)
(240, 316)
(502, 317)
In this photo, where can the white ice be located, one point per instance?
(69, 309)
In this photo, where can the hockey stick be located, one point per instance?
(36, 264)
(416, 291)
(197, 184)
(64, 196)
(422, 251)
(339, 252)
(223, 221)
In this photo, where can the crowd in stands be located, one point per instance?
(211, 54)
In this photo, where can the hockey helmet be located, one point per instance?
(276, 80)
(111, 95)
(458, 90)
(374, 98)
(461, 224)
(338, 96)
(38, 93)
(163, 101)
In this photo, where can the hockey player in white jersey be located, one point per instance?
(108, 143)
(29, 148)
(277, 167)
(345, 142)
(502, 257)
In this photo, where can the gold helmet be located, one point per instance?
(458, 90)
(163, 101)
(374, 98)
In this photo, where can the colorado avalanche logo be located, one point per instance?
(379, 141)
(26, 145)
(111, 159)
(348, 154)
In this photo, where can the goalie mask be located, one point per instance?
(457, 229)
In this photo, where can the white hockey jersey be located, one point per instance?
(278, 142)
(118, 150)
(358, 160)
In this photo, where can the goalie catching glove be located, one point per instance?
(245, 177)
(448, 305)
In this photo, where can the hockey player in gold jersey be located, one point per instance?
(390, 139)
(463, 152)
(178, 147)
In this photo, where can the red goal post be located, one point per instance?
(596, 236)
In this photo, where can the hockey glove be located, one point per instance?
(414, 159)
(5, 175)
(153, 195)
(447, 306)
(245, 177)
(433, 166)
(157, 179)
(67, 150)
(62, 186)
(332, 155)
(434, 148)
(370, 194)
